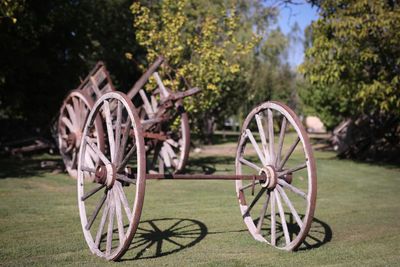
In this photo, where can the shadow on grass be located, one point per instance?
(319, 234)
(207, 165)
(12, 167)
(161, 237)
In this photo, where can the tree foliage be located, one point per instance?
(201, 44)
(227, 48)
(353, 64)
(52, 45)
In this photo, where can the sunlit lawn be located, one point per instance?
(357, 219)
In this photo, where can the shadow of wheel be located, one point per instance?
(319, 234)
(161, 237)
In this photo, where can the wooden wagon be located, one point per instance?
(276, 188)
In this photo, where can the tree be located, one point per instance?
(52, 45)
(353, 64)
(200, 43)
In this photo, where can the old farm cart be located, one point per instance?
(163, 118)
(275, 176)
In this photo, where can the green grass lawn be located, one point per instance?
(198, 223)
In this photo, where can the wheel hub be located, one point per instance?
(271, 177)
(106, 174)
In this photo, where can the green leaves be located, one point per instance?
(355, 52)
(199, 42)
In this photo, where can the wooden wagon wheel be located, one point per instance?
(281, 211)
(115, 199)
(168, 143)
(73, 114)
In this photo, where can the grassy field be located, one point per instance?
(197, 223)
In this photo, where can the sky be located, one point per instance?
(303, 15)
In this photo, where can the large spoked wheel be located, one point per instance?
(168, 143)
(110, 208)
(273, 142)
(72, 118)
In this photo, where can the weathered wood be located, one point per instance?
(257, 197)
(97, 151)
(144, 78)
(292, 188)
(282, 215)
(271, 136)
(263, 211)
(120, 222)
(290, 205)
(288, 153)
(256, 147)
(96, 211)
(250, 164)
(101, 225)
(280, 142)
(273, 219)
(110, 228)
(262, 136)
(299, 167)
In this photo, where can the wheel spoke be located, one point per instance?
(124, 141)
(264, 210)
(77, 110)
(74, 158)
(282, 215)
(72, 115)
(127, 158)
(171, 154)
(262, 136)
(120, 221)
(118, 131)
(254, 201)
(155, 155)
(280, 142)
(97, 150)
(248, 185)
(96, 211)
(292, 188)
(124, 201)
(83, 113)
(256, 147)
(102, 223)
(164, 155)
(110, 225)
(125, 179)
(91, 157)
(273, 219)
(110, 132)
(251, 165)
(92, 192)
(290, 151)
(290, 205)
(68, 123)
(294, 169)
(271, 135)
(173, 143)
(88, 169)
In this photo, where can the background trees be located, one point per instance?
(231, 49)
(353, 65)
(227, 48)
(51, 45)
